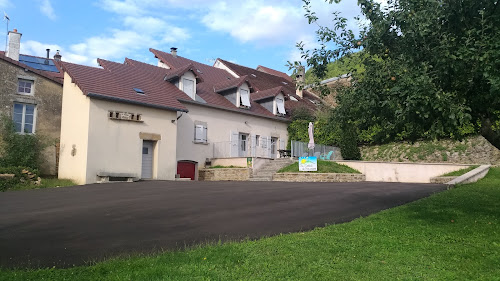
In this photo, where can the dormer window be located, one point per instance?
(188, 87)
(280, 104)
(244, 98)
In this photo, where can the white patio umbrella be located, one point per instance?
(310, 145)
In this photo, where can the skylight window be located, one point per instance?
(253, 75)
(139, 91)
(293, 98)
(199, 71)
(284, 83)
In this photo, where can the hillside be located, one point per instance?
(341, 66)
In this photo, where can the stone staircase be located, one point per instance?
(266, 172)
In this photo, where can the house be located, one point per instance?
(139, 121)
(31, 94)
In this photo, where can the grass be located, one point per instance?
(323, 167)
(460, 172)
(225, 167)
(452, 235)
(45, 183)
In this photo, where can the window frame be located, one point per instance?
(278, 107)
(23, 119)
(32, 88)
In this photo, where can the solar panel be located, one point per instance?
(38, 63)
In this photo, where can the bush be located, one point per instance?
(22, 176)
(19, 149)
(349, 143)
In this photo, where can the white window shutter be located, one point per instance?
(269, 152)
(245, 97)
(282, 144)
(198, 133)
(253, 145)
(281, 106)
(234, 137)
(205, 130)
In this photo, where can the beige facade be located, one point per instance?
(221, 125)
(94, 144)
(46, 95)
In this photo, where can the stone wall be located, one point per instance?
(224, 174)
(318, 177)
(472, 150)
(47, 96)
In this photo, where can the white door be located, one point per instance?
(147, 159)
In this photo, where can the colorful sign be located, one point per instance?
(308, 164)
(249, 162)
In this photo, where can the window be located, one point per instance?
(281, 106)
(24, 87)
(257, 140)
(139, 91)
(200, 133)
(24, 118)
(188, 87)
(244, 98)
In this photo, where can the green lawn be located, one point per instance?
(453, 235)
(460, 172)
(323, 167)
(46, 183)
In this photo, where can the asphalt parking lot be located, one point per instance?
(77, 225)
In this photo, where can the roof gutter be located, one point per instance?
(103, 97)
(281, 119)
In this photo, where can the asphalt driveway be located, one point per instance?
(76, 225)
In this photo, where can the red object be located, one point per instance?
(186, 169)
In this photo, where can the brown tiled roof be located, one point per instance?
(263, 81)
(212, 76)
(274, 72)
(176, 73)
(269, 93)
(117, 81)
(53, 76)
(231, 84)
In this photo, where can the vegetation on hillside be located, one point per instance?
(431, 70)
(344, 65)
(452, 235)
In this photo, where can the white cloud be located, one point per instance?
(4, 4)
(47, 10)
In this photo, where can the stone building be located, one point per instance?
(31, 94)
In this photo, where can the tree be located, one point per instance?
(432, 68)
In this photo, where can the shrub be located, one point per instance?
(22, 176)
(19, 149)
(349, 142)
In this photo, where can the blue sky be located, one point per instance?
(250, 32)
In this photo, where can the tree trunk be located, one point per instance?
(489, 134)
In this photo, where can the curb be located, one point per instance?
(470, 177)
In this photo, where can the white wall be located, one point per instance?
(115, 146)
(402, 172)
(219, 64)
(74, 133)
(220, 124)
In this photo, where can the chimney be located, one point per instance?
(173, 51)
(14, 45)
(48, 53)
(57, 56)
(300, 80)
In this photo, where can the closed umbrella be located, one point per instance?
(310, 145)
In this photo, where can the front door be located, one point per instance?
(147, 160)
(243, 145)
(273, 147)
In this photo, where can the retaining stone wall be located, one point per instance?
(223, 174)
(318, 177)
